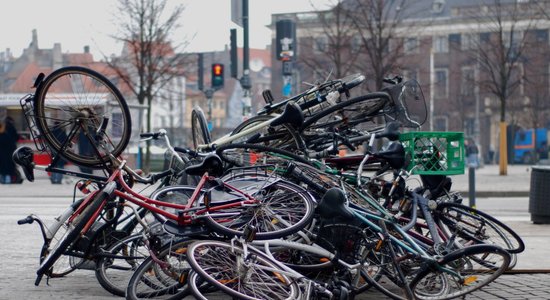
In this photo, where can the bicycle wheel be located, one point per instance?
(351, 112)
(282, 209)
(162, 277)
(79, 101)
(116, 265)
(282, 137)
(474, 227)
(461, 272)
(253, 276)
(199, 287)
(71, 236)
(199, 128)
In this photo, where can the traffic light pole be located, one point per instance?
(245, 80)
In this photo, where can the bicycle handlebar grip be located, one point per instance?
(153, 135)
(27, 220)
(185, 150)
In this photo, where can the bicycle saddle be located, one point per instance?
(333, 204)
(292, 115)
(211, 163)
(24, 157)
(394, 155)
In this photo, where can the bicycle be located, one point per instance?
(260, 129)
(114, 191)
(242, 270)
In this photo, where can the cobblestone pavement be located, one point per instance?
(20, 245)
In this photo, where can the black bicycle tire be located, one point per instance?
(179, 290)
(206, 276)
(298, 142)
(199, 128)
(504, 230)
(459, 255)
(261, 235)
(100, 272)
(72, 236)
(46, 132)
(339, 106)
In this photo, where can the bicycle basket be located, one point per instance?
(434, 153)
(409, 104)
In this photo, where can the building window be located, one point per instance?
(469, 41)
(410, 45)
(541, 35)
(485, 37)
(320, 44)
(410, 74)
(441, 83)
(355, 44)
(467, 84)
(512, 41)
(441, 44)
(441, 123)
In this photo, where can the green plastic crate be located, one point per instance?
(434, 153)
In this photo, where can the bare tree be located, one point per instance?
(149, 61)
(499, 53)
(331, 40)
(382, 27)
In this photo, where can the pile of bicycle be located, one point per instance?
(272, 210)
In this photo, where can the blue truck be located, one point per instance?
(528, 143)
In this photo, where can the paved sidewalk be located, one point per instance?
(488, 182)
(21, 244)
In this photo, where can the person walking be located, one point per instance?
(60, 134)
(8, 142)
(472, 153)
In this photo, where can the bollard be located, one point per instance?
(472, 186)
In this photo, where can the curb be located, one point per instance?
(502, 194)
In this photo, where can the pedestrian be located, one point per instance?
(85, 149)
(8, 142)
(543, 151)
(472, 153)
(61, 136)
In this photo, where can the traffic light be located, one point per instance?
(217, 75)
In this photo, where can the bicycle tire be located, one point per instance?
(199, 128)
(216, 262)
(150, 280)
(90, 94)
(283, 209)
(71, 236)
(503, 235)
(115, 267)
(282, 137)
(195, 288)
(473, 274)
(376, 102)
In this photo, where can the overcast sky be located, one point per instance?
(76, 23)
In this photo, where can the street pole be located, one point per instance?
(245, 80)
(432, 91)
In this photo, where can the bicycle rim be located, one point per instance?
(217, 263)
(75, 100)
(282, 209)
(464, 271)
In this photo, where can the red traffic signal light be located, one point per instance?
(217, 75)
